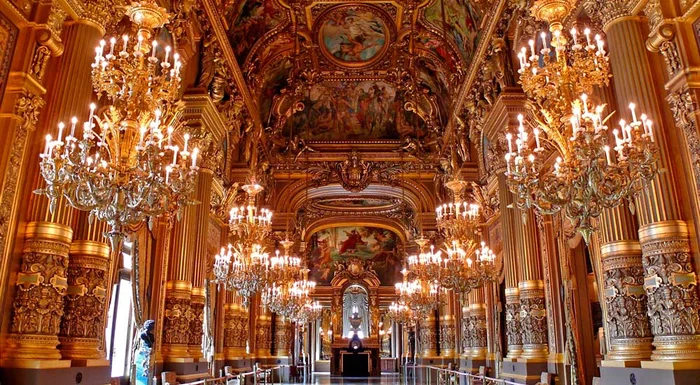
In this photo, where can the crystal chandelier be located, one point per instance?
(421, 296)
(123, 165)
(400, 313)
(248, 223)
(290, 298)
(310, 312)
(586, 177)
(242, 268)
(284, 268)
(426, 265)
(458, 220)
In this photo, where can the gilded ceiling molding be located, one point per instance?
(606, 12)
(214, 18)
(495, 15)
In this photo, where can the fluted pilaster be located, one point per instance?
(533, 314)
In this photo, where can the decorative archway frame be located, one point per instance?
(354, 272)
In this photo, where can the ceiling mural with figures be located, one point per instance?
(332, 72)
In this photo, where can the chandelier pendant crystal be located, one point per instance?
(566, 162)
(122, 164)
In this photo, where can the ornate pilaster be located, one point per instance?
(283, 337)
(176, 321)
(466, 332)
(447, 329)
(197, 300)
(428, 336)
(84, 320)
(477, 325)
(513, 330)
(263, 334)
(533, 320)
(671, 285)
(623, 276)
(41, 286)
(231, 330)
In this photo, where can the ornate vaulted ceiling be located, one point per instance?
(327, 73)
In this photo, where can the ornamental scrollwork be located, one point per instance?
(513, 331)
(84, 302)
(176, 323)
(626, 303)
(533, 320)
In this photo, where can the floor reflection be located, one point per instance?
(327, 379)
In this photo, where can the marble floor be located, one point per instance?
(385, 379)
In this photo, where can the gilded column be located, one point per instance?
(283, 336)
(233, 328)
(533, 314)
(42, 280)
(178, 316)
(428, 336)
(447, 328)
(477, 324)
(623, 275)
(263, 333)
(84, 323)
(669, 275)
(512, 269)
(466, 332)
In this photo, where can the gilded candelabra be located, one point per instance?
(122, 164)
(584, 178)
(284, 268)
(289, 299)
(459, 220)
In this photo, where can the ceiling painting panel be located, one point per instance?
(348, 110)
(460, 21)
(372, 244)
(250, 21)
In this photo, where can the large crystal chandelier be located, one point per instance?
(289, 299)
(311, 311)
(421, 296)
(567, 164)
(245, 265)
(122, 164)
(400, 313)
(242, 268)
(458, 220)
(284, 268)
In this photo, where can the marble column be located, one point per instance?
(673, 303)
(533, 314)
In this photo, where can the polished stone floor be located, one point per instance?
(326, 379)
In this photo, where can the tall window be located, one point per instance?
(120, 321)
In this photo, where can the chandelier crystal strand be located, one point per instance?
(587, 175)
(122, 164)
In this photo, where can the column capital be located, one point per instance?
(608, 12)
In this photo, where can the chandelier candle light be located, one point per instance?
(122, 164)
(565, 161)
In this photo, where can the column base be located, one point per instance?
(31, 347)
(651, 372)
(676, 348)
(84, 375)
(524, 371)
(176, 353)
(80, 348)
(630, 349)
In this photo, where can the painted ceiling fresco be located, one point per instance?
(372, 244)
(340, 71)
